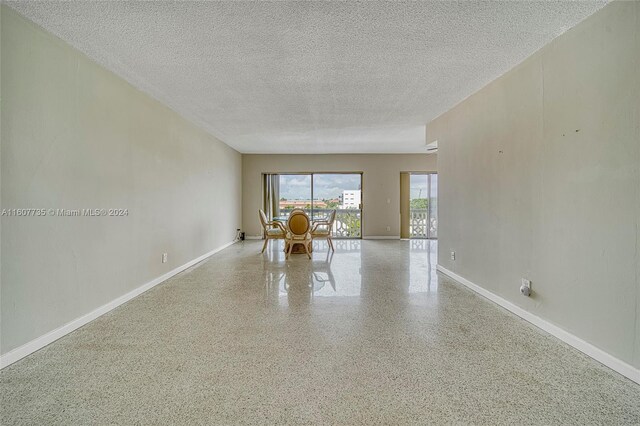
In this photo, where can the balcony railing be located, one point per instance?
(347, 224)
(421, 226)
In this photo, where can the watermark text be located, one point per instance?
(58, 212)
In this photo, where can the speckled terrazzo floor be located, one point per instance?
(370, 335)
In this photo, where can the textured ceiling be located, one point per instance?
(309, 77)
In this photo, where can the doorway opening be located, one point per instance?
(317, 194)
(418, 205)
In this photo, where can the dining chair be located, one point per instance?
(322, 229)
(298, 232)
(272, 230)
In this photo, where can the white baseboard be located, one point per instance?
(42, 341)
(381, 237)
(253, 237)
(584, 347)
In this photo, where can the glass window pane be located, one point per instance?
(419, 205)
(295, 192)
(341, 192)
(433, 206)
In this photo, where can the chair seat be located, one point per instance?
(275, 232)
(320, 233)
(294, 237)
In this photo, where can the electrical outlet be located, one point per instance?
(525, 287)
(165, 257)
(388, 228)
(453, 255)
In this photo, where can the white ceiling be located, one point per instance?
(309, 77)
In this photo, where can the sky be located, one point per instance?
(419, 187)
(325, 186)
(330, 186)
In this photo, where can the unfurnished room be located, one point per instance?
(320, 212)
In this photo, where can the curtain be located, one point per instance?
(405, 205)
(271, 195)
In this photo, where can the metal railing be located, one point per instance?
(421, 225)
(347, 224)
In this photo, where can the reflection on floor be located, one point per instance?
(347, 264)
(370, 334)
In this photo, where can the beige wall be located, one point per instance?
(539, 177)
(380, 186)
(76, 136)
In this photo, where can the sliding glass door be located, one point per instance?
(295, 193)
(341, 192)
(433, 206)
(423, 205)
(317, 194)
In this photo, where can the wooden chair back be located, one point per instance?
(298, 223)
(263, 219)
